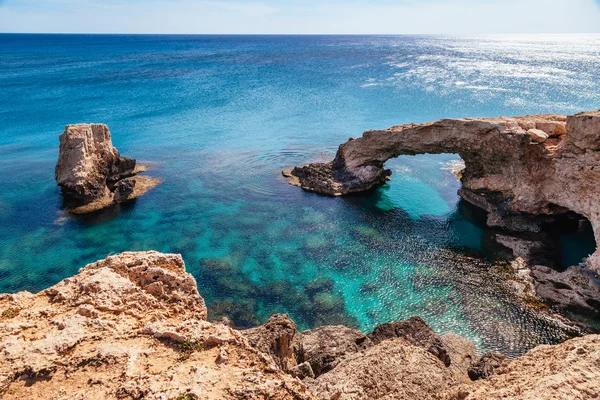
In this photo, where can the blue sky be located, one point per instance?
(301, 16)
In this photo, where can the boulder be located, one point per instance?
(416, 332)
(324, 347)
(537, 135)
(462, 353)
(486, 365)
(279, 338)
(393, 369)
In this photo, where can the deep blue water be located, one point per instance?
(219, 116)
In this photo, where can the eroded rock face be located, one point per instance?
(567, 371)
(515, 168)
(130, 326)
(91, 172)
(279, 338)
(415, 331)
(462, 353)
(324, 347)
(574, 289)
(134, 326)
(486, 365)
(393, 369)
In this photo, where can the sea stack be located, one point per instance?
(91, 172)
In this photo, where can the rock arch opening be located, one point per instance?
(518, 170)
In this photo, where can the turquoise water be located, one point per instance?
(219, 116)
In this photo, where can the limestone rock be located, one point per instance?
(91, 172)
(506, 173)
(393, 369)
(278, 338)
(537, 135)
(574, 289)
(130, 326)
(324, 347)
(486, 365)
(134, 326)
(124, 190)
(302, 371)
(415, 331)
(462, 353)
(568, 371)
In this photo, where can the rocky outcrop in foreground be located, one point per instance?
(91, 172)
(133, 326)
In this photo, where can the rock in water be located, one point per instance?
(91, 172)
(515, 167)
(87, 162)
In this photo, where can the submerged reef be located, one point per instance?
(134, 326)
(92, 174)
(524, 172)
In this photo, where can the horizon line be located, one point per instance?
(302, 34)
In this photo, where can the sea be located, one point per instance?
(219, 117)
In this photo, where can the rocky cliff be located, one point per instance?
(133, 326)
(91, 172)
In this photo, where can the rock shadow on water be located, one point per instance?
(106, 214)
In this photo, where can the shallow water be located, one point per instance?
(219, 116)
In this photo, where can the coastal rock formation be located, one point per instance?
(486, 366)
(128, 327)
(134, 326)
(567, 371)
(91, 172)
(515, 168)
(416, 332)
(394, 369)
(279, 339)
(462, 353)
(324, 347)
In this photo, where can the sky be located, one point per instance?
(301, 16)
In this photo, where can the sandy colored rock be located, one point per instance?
(91, 172)
(416, 332)
(130, 326)
(537, 135)
(393, 369)
(134, 326)
(463, 354)
(278, 338)
(507, 174)
(569, 371)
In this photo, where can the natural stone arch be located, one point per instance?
(515, 168)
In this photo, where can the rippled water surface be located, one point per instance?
(218, 116)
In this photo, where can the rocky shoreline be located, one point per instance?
(525, 173)
(134, 326)
(92, 174)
